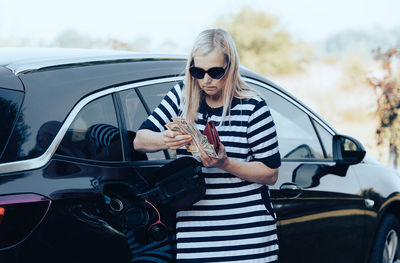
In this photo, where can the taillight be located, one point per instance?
(19, 216)
(2, 210)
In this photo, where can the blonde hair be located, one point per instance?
(206, 42)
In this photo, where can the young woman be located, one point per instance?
(235, 221)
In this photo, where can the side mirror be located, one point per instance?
(347, 150)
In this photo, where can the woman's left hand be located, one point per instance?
(209, 161)
(254, 171)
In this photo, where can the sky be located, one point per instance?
(181, 20)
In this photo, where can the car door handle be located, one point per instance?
(291, 190)
(290, 186)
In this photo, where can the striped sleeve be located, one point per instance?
(262, 137)
(166, 110)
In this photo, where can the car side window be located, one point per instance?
(153, 94)
(94, 133)
(135, 114)
(296, 135)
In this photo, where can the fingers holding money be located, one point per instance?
(217, 162)
(175, 140)
(205, 159)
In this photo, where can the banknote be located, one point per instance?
(189, 128)
(199, 140)
(207, 147)
(177, 127)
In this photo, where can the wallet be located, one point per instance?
(212, 135)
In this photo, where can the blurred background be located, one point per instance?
(339, 57)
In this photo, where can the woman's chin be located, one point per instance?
(212, 92)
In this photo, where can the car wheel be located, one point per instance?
(386, 246)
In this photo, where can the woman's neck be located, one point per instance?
(214, 102)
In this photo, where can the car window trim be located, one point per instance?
(42, 160)
(143, 101)
(80, 160)
(121, 124)
(319, 138)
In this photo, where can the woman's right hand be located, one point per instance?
(174, 140)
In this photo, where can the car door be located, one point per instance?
(75, 228)
(320, 213)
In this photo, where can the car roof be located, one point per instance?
(24, 60)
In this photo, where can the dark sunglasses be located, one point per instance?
(215, 73)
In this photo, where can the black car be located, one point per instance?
(334, 202)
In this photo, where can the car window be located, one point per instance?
(133, 109)
(135, 114)
(10, 102)
(296, 135)
(326, 139)
(153, 94)
(94, 133)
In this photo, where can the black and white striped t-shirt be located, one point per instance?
(235, 221)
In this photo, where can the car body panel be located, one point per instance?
(325, 214)
(9, 80)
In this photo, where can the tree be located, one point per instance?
(263, 45)
(355, 66)
(71, 38)
(339, 44)
(386, 84)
